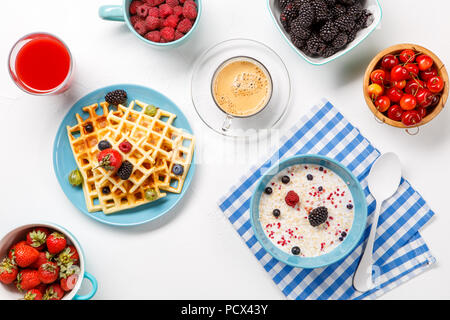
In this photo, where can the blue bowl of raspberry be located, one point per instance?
(160, 23)
(321, 31)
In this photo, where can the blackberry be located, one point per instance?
(283, 3)
(328, 52)
(355, 11)
(330, 2)
(340, 41)
(125, 170)
(306, 15)
(328, 31)
(352, 35)
(116, 97)
(338, 11)
(298, 31)
(316, 46)
(320, 10)
(365, 19)
(318, 216)
(345, 23)
(288, 15)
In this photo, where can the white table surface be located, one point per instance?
(193, 252)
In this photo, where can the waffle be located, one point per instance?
(156, 147)
(84, 148)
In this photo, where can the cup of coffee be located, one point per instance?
(241, 87)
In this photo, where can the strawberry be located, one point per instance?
(56, 242)
(54, 292)
(68, 255)
(48, 272)
(109, 159)
(12, 251)
(8, 271)
(42, 287)
(33, 294)
(36, 238)
(25, 255)
(69, 283)
(44, 257)
(27, 279)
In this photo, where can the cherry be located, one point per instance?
(435, 84)
(428, 74)
(395, 112)
(400, 84)
(375, 90)
(425, 62)
(399, 73)
(422, 112)
(412, 86)
(407, 56)
(394, 94)
(424, 97)
(408, 102)
(389, 61)
(413, 69)
(382, 103)
(435, 100)
(411, 117)
(378, 76)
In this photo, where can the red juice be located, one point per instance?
(43, 63)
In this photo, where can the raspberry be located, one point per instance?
(168, 34)
(165, 10)
(190, 2)
(125, 146)
(184, 26)
(152, 23)
(171, 21)
(134, 5)
(189, 11)
(154, 36)
(157, 2)
(172, 3)
(153, 12)
(178, 11)
(140, 27)
(134, 19)
(142, 10)
(178, 35)
(292, 198)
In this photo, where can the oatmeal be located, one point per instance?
(306, 210)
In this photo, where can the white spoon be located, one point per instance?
(384, 179)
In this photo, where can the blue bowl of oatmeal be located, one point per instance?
(308, 211)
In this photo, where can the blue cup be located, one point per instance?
(122, 13)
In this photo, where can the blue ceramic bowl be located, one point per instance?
(372, 5)
(354, 234)
(18, 233)
(64, 162)
(122, 13)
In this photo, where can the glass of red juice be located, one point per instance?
(41, 64)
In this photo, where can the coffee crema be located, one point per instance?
(241, 87)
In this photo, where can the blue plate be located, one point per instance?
(351, 240)
(64, 162)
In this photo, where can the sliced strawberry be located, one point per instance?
(69, 283)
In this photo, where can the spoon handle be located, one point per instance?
(362, 281)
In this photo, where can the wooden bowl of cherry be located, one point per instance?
(396, 50)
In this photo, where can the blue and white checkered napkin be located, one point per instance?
(400, 253)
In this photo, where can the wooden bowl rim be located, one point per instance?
(442, 71)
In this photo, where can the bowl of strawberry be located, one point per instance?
(42, 261)
(160, 23)
(406, 86)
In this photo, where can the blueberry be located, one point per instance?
(89, 128)
(268, 190)
(276, 212)
(106, 190)
(343, 233)
(295, 251)
(320, 188)
(309, 177)
(177, 169)
(341, 239)
(320, 168)
(285, 179)
(102, 145)
(350, 206)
